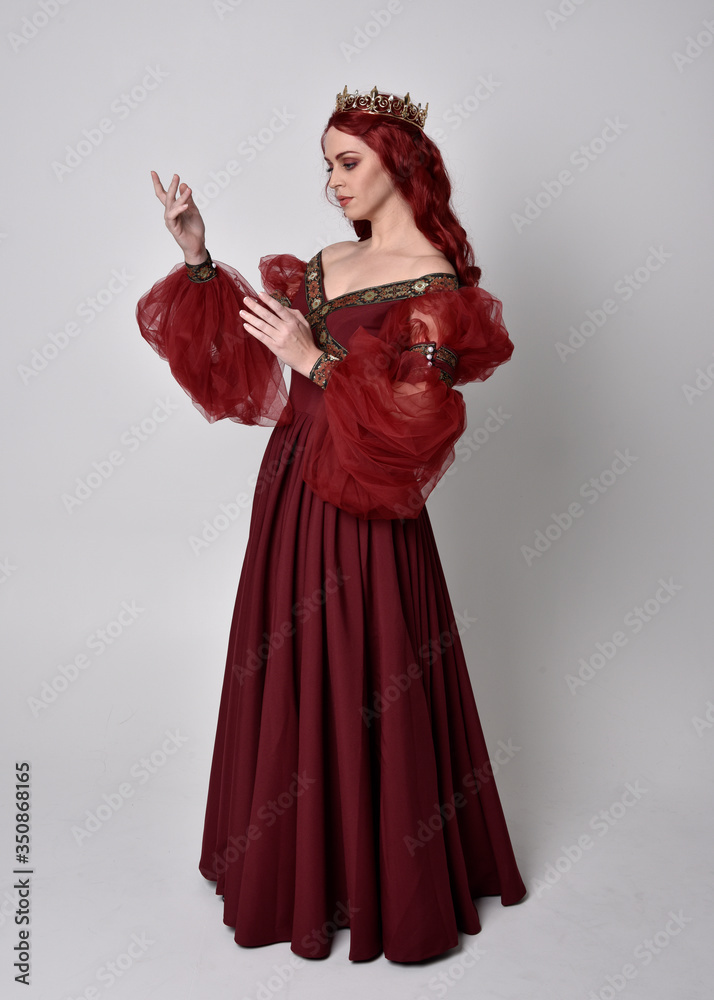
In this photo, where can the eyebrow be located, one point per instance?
(348, 152)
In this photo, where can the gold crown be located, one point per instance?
(376, 103)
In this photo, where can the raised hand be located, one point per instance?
(183, 220)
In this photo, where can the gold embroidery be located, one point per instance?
(322, 369)
(320, 308)
(282, 299)
(204, 271)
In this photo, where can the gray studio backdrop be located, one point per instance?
(574, 525)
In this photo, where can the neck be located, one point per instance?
(394, 230)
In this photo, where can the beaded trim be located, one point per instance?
(202, 272)
(320, 307)
(442, 358)
(322, 369)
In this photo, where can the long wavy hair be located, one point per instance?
(413, 162)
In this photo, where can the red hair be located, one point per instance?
(413, 162)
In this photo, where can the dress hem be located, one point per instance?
(283, 937)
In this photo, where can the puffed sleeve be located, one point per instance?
(195, 326)
(391, 418)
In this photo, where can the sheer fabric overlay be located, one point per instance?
(387, 410)
(197, 329)
(387, 431)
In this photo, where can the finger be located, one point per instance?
(171, 192)
(173, 213)
(181, 203)
(264, 327)
(189, 198)
(186, 198)
(254, 331)
(267, 319)
(258, 321)
(268, 300)
(158, 187)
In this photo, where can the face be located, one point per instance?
(356, 174)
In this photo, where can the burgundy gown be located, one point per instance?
(350, 783)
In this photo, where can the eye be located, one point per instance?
(349, 165)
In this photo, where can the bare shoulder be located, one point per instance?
(337, 250)
(435, 263)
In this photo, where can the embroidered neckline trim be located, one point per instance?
(319, 308)
(420, 284)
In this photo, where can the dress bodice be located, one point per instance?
(333, 321)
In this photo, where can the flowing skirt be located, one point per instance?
(351, 784)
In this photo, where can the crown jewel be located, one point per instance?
(376, 103)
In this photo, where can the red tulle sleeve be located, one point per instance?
(195, 326)
(387, 432)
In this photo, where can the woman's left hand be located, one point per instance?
(284, 331)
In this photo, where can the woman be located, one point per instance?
(350, 784)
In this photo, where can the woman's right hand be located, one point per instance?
(183, 220)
